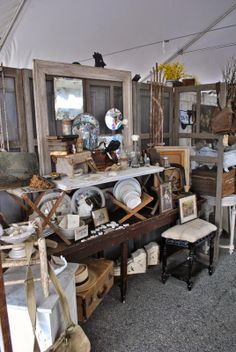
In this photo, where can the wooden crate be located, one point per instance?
(204, 182)
(87, 301)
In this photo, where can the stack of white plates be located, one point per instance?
(128, 192)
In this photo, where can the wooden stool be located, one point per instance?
(189, 235)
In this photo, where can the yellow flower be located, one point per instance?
(173, 71)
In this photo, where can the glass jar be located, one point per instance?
(165, 162)
(124, 162)
(66, 127)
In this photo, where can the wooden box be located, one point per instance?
(204, 182)
(88, 300)
(69, 164)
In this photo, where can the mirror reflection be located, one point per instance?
(113, 119)
(68, 94)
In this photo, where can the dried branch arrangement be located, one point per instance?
(156, 107)
(229, 76)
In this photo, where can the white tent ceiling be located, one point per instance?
(72, 30)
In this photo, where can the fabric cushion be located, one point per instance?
(190, 231)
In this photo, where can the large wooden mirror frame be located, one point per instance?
(42, 68)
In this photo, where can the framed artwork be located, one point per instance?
(100, 216)
(81, 232)
(166, 202)
(178, 155)
(175, 175)
(187, 208)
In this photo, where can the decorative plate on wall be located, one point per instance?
(86, 126)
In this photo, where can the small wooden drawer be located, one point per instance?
(88, 300)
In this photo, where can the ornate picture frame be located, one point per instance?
(166, 201)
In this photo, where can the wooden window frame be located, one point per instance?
(137, 87)
(20, 111)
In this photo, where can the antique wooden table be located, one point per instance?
(118, 238)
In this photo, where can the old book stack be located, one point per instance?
(61, 145)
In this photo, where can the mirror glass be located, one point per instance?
(68, 94)
(113, 119)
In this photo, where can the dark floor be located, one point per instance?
(166, 318)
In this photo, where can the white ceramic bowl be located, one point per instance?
(130, 182)
(69, 232)
(126, 189)
(132, 201)
(26, 232)
(128, 195)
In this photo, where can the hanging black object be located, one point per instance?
(98, 60)
(112, 146)
(136, 78)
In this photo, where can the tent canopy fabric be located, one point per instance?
(131, 35)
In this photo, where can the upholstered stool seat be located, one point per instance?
(188, 235)
(191, 231)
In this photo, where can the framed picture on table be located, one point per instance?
(166, 201)
(100, 216)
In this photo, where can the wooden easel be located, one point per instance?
(146, 199)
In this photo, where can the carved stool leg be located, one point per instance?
(190, 265)
(211, 255)
(124, 258)
(164, 259)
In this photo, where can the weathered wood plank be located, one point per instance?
(26, 76)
